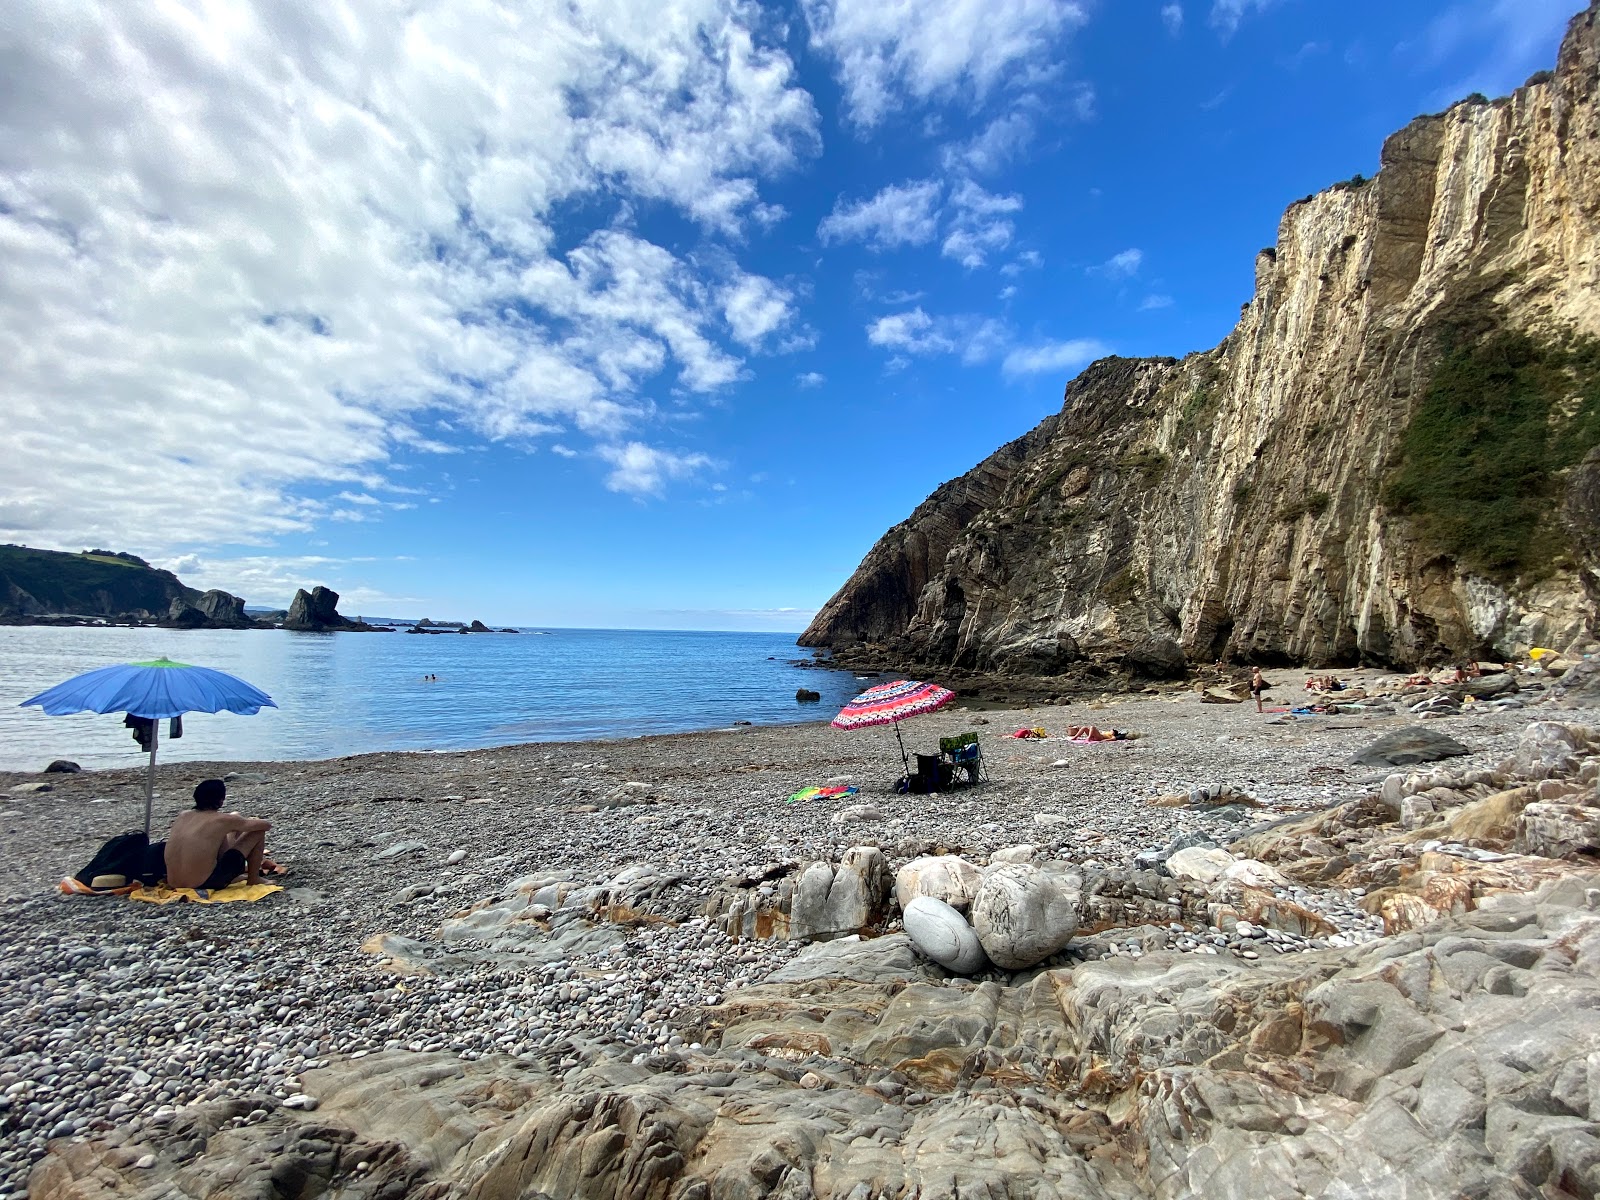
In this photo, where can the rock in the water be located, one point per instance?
(1403, 747)
(942, 933)
(946, 877)
(1023, 914)
(62, 766)
(317, 611)
(807, 696)
(832, 901)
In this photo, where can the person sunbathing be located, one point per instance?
(208, 848)
(1088, 733)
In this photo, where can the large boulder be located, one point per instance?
(1023, 914)
(223, 608)
(1199, 864)
(1556, 830)
(317, 611)
(943, 934)
(1403, 747)
(833, 901)
(946, 877)
(1550, 750)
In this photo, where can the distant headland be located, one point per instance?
(112, 587)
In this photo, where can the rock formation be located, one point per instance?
(317, 611)
(214, 609)
(1309, 489)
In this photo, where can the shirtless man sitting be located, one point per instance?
(208, 848)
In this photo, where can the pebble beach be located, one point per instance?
(115, 1013)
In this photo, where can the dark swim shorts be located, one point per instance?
(230, 865)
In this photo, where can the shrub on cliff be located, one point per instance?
(1479, 464)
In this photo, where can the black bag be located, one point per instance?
(130, 855)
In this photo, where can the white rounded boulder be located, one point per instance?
(1023, 915)
(945, 877)
(943, 934)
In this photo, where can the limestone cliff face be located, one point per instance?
(1234, 501)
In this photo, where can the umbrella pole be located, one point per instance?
(905, 761)
(150, 776)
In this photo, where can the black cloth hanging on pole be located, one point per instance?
(144, 729)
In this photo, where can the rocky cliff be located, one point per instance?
(97, 583)
(1383, 462)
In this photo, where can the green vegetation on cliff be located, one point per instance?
(94, 583)
(1479, 465)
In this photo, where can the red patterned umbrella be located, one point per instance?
(891, 703)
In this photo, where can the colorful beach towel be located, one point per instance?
(1032, 735)
(823, 793)
(162, 894)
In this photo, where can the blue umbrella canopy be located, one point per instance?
(157, 689)
(153, 690)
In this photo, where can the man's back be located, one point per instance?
(193, 844)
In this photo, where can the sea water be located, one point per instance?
(354, 693)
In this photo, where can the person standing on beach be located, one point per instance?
(1257, 686)
(208, 848)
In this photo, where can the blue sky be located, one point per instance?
(624, 314)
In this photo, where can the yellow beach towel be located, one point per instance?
(162, 894)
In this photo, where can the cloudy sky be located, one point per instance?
(615, 312)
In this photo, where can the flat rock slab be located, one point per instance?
(1408, 746)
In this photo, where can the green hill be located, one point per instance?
(96, 583)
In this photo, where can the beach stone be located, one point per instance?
(399, 848)
(455, 857)
(1247, 872)
(942, 933)
(32, 789)
(1025, 852)
(1023, 914)
(1403, 747)
(62, 766)
(946, 877)
(1202, 864)
(833, 901)
(857, 812)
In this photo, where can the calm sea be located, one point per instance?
(351, 693)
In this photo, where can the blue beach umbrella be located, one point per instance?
(153, 690)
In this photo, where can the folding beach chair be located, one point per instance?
(964, 755)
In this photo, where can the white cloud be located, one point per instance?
(561, 451)
(271, 581)
(1154, 301)
(901, 215)
(811, 379)
(975, 339)
(1507, 40)
(889, 50)
(1052, 357)
(269, 249)
(1122, 266)
(1226, 15)
(1172, 18)
(993, 147)
(642, 470)
(980, 225)
(756, 307)
(913, 331)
